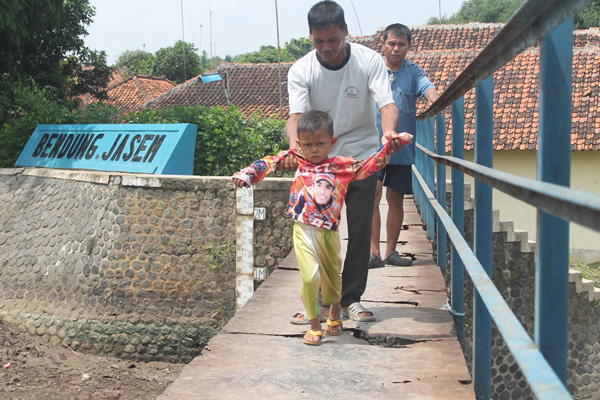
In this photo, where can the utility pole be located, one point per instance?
(183, 38)
(440, 4)
(279, 62)
(357, 20)
(201, 54)
(211, 42)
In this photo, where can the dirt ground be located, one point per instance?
(35, 370)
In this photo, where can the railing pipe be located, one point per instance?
(457, 298)
(482, 334)
(440, 145)
(554, 165)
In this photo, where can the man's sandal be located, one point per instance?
(354, 310)
(333, 324)
(304, 321)
(314, 334)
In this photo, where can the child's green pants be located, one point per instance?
(320, 263)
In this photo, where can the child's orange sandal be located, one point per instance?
(333, 324)
(315, 335)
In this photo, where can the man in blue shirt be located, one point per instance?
(408, 81)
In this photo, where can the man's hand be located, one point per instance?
(291, 132)
(399, 140)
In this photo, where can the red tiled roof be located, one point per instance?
(516, 91)
(250, 86)
(443, 51)
(130, 93)
(467, 37)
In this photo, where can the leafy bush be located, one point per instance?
(97, 113)
(29, 107)
(225, 141)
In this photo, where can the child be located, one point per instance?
(316, 199)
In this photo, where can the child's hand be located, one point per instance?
(239, 182)
(405, 138)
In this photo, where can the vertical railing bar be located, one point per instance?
(457, 296)
(416, 188)
(429, 176)
(440, 145)
(482, 332)
(554, 166)
(419, 165)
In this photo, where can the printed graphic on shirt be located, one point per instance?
(316, 204)
(351, 92)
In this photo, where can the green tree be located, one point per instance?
(299, 47)
(137, 61)
(292, 51)
(43, 40)
(589, 16)
(501, 11)
(19, 23)
(266, 54)
(169, 62)
(481, 11)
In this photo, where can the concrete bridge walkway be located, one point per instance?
(410, 352)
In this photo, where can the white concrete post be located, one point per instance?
(244, 251)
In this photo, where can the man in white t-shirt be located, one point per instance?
(344, 79)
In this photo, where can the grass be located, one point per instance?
(591, 272)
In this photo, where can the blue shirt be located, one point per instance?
(408, 83)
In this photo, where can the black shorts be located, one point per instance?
(397, 178)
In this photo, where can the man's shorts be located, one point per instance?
(397, 178)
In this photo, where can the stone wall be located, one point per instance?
(513, 263)
(138, 266)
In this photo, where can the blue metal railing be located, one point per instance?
(543, 360)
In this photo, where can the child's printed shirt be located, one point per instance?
(318, 190)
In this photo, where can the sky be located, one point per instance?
(237, 26)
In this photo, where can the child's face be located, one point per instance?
(316, 146)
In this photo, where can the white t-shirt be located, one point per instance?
(347, 93)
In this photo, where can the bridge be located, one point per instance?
(413, 350)
(410, 352)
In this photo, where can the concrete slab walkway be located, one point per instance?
(410, 352)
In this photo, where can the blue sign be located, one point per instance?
(137, 148)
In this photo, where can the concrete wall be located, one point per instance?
(138, 266)
(584, 242)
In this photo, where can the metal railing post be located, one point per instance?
(419, 166)
(482, 333)
(440, 145)
(554, 166)
(457, 299)
(429, 176)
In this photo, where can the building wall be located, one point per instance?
(139, 266)
(584, 242)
